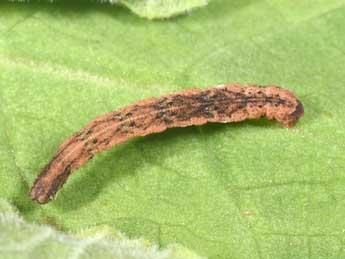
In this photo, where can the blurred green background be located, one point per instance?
(247, 190)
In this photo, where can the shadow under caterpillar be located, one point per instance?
(224, 103)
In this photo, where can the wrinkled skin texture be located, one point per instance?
(224, 103)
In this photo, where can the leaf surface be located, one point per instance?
(158, 9)
(245, 190)
(19, 239)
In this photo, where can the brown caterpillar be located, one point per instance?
(224, 103)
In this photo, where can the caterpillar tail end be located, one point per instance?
(39, 194)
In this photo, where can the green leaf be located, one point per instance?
(19, 239)
(159, 9)
(245, 190)
(153, 9)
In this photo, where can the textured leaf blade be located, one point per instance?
(234, 190)
(20, 239)
(162, 8)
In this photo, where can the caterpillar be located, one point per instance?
(223, 103)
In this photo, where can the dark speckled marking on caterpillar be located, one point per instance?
(224, 103)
